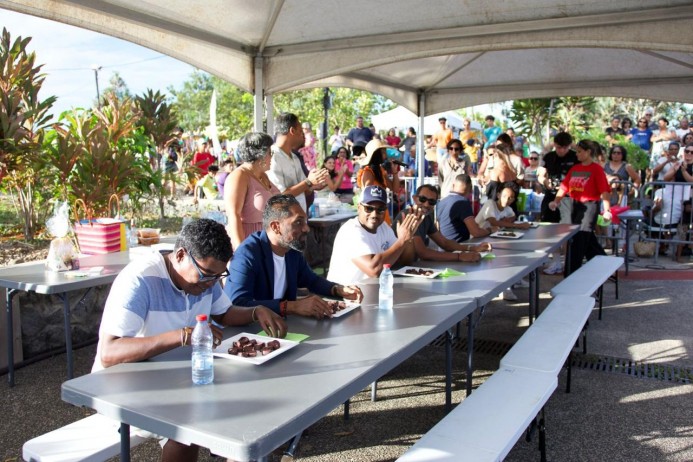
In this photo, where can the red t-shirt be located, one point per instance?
(585, 183)
(202, 160)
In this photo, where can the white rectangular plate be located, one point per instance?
(221, 350)
(350, 306)
(403, 272)
(500, 234)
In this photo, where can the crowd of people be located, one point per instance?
(251, 270)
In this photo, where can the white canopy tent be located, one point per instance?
(402, 118)
(428, 56)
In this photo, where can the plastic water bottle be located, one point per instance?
(202, 360)
(385, 293)
(133, 240)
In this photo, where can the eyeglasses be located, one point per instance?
(371, 209)
(454, 148)
(206, 277)
(424, 200)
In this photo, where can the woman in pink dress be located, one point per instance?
(308, 149)
(248, 188)
(346, 186)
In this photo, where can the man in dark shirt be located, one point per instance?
(358, 137)
(555, 167)
(455, 213)
(425, 199)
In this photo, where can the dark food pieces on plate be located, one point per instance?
(336, 305)
(420, 271)
(251, 348)
(506, 234)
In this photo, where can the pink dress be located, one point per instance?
(256, 198)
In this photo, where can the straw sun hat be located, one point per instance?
(371, 148)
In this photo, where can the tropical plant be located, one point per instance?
(96, 153)
(160, 126)
(23, 117)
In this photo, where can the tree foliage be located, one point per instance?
(23, 117)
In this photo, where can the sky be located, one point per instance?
(70, 53)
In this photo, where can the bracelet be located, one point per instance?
(185, 334)
(282, 308)
(252, 315)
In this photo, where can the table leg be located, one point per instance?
(448, 370)
(627, 244)
(537, 275)
(124, 442)
(470, 351)
(9, 296)
(532, 290)
(68, 334)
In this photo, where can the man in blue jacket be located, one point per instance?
(269, 267)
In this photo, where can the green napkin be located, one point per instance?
(488, 255)
(290, 336)
(447, 272)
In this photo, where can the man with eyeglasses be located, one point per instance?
(365, 243)
(153, 302)
(269, 266)
(456, 162)
(425, 200)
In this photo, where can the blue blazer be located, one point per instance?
(251, 278)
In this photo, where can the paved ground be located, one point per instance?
(607, 416)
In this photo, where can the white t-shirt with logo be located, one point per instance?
(354, 241)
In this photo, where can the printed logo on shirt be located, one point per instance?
(578, 181)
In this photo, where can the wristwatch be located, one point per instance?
(309, 183)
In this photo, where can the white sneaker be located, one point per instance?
(554, 268)
(521, 284)
(509, 295)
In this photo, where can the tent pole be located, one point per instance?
(269, 106)
(420, 141)
(258, 112)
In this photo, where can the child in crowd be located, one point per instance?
(206, 187)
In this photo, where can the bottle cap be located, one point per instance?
(201, 317)
(387, 265)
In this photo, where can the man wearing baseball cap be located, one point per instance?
(364, 244)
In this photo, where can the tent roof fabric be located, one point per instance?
(456, 54)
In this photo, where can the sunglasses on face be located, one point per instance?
(688, 151)
(371, 209)
(206, 277)
(533, 158)
(455, 148)
(425, 200)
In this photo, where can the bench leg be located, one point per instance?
(570, 370)
(124, 442)
(374, 391)
(9, 328)
(542, 435)
(291, 450)
(600, 295)
(470, 352)
(584, 337)
(346, 409)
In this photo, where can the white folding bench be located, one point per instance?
(488, 423)
(93, 439)
(590, 278)
(549, 341)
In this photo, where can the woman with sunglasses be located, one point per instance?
(587, 185)
(372, 172)
(682, 172)
(531, 180)
(641, 135)
(453, 164)
(618, 170)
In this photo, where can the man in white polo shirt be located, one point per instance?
(363, 244)
(153, 302)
